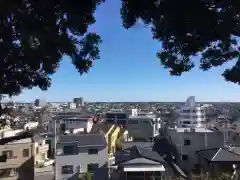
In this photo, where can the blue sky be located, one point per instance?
(129, 71)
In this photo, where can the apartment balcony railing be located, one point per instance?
(43, 148)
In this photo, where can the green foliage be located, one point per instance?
(86, 176)
(208, 29)
(35, 35)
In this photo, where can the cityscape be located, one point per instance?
(49, 140)
(120, 90)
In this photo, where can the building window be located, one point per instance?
(26, 153)
(93, 151)
(187, 142)
(68, 150)
(184, 157)
(37, 150)
(92, 167)
(9, 154)
(67, 169)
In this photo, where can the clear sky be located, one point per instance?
(129, 71)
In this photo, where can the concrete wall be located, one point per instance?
(80, 162)
(198, 141)
(23, 165)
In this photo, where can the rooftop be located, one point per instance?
(101, 127)
(199, 130)
(97, 139)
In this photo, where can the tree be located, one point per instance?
(35, 35)
(208, 29)
(86, 176)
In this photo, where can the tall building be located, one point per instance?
(79, 101)
(40, 102)
(191, 114)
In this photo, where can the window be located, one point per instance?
(187, 142)
(92, 167)
(93, 151)
(37, 150)
(68, 150)
(25, 152)
(184, 157)
(186, 122)
(67, 169)
(9, 154)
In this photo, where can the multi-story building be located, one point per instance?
(81, 153)
(191, 114)
(78, 101)
(72, 123)
(144, 127)
(40, 150)
(17, 158)
(190, 140)
(116, 117)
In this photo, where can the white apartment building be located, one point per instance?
(191, 114)
(72, 123)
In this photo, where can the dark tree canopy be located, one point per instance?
(187, 28)
(35, 34)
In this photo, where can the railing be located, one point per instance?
(43, 148)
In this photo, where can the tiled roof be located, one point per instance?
(84, 139)
(219, 155)
(139, 153)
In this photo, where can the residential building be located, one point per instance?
(41, 149)
(191, 114)
(72, 106)
(68, 123)
(116, 117)
(81, 153)
(112, 132)
(190, 140)
(138, 163)
(17, 158)
(144, 127)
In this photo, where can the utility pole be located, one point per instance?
(55, 148)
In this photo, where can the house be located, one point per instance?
(112, 133)
(140, 164)
(41, 148)
(217, 160)
(144, 126)
(17, 158)
(81, 153)
(72, 123)
(190, 140)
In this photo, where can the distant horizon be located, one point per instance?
(125, 102)
(129, 71)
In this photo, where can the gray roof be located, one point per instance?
(140, 161)
(140, 154)
(143, 144)
(219, 155)
(38, 138)
(84, 139)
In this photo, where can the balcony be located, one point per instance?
(43, 148)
